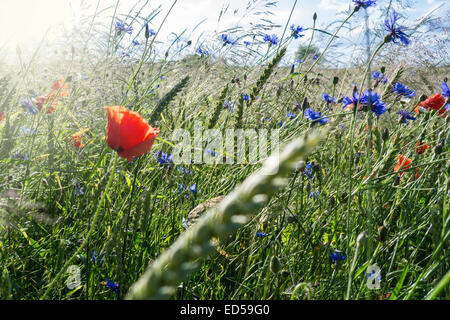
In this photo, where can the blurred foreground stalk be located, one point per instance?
(184, 257)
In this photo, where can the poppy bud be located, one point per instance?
(166, 54)
(275, 265)
(383, 69)
(316, 168)
(382, 231)
(308, 187)
(422, 98)
(315, 16)
(147, 31)
(397, 181)
(292, 68)
(438, 149)
(305, 104)
(189, 42)
(385, 135)
(335, 80)
(285, 273)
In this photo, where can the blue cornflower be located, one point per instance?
(163, 157)
(227, 40)
(246, 43)
(229, 105)
(20, 156)
(124, 54)
(299, 60)
(403, 90)
(280, 124)
(313, 116)
(364, 3)
(272, 39)
(246, 97)
(395, 33)
(328, 99)
(351, 101)
(28, 105)
(78, 189)
(315, 57)
(261, 234)
(296, 31)
(148, 31)
(379, 77)
(202, 52)
(405, 116)
(308, 170)
(378, 106)
(120, 26)
(445, 90)
(180, 189)
(313, 194)
(194, 190)
(184, 170)
(114, 286)
(338, 255)
(291, 115)
(96, 258)
(211, 152)
(27, 131)
(135, 42)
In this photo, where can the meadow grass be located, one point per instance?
(312, 230)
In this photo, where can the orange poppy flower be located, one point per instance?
(421, 148)
(403, 163)
(435, 102)
(2, 116)
(76, 140)
(128, 133)
(60, 86)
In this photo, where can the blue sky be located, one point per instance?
(24, 22)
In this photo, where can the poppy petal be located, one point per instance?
(133, 130)
(140, 148)
(115, 116)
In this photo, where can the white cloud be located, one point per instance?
(335, 5)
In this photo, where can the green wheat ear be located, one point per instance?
(258, 86)
(184, 257)
(164, 102)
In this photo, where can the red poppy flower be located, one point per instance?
(435, 102)
(2, 116)
(60, 86)
(49, 100)
(76, 140)
(128, 133)
(403, 163)
(418, 174)
(421, 148)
